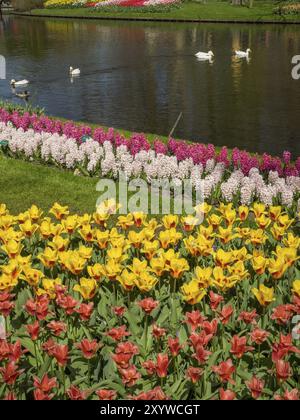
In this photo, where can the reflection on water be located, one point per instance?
(140, 76)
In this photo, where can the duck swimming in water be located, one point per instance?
(23, 95)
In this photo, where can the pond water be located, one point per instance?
(139, 76)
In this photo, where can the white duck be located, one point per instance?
(205, 56)
(242, 54)
(74, 72)
(14, 83)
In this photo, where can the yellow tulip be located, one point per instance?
(264, 295)
(170, 221)
(138, 267)
(6, 221)
(258, 209)
(243, 213)
(263, 221)
(139, 218)
(214, 220)
(59, 243)
(150, 248)
(125, 221)
(35, 213)
(192, 293)
(158, 265)
(189, 223)
(230, 216)
(145, 282)
(3, 210)
(127, 280)
(169, 237)
(72, 261)
(49, 286)
(12, 269)
(87, 233)
(256, 237)
(112, 269)
(274, 212)
(291, 241)
(96, 271)
(12, 248)
(238, 269)
(7, 282)
(59, 211)
(288, 254)
(46, 228)
(223, 281)
(102, 238)
(284, 221)
(117, 254)
(203, 276)
(87, 288)
(70, 224)
(101, 218)
(136, 238)
(277, 231)
(227, 234)
(277, 267)
(296, 288)
(48, 257)
(259, 264)
(178, 266)
(223, 258)
(32, 276)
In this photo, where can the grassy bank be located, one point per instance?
(214, 11)
(25, 183)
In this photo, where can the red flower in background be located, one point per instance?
(162, 363)
(119, 310)
(6, 307)
(4, 350)
(68, 303)
(10, 396)
(194, 374)
(124, 352)
(15, 351)
(258, 335)
(256, 387)
(39, 395)
(194, 319)
(211, 327)
(283, 370)
(215, 300)
(225, 370)
(75, 394)
(225, 314)
(129, 375)
(148, 305)
(33, 330)
(106, 394)
(10, 373)
(57, 327)
(174, 346)
(227, 395)
(155, 394)
(85, 311)
(248, 317)
(239, 347)
(118, 333)
(49, 346)
(201, 339)
(60, 353)
(201, 355)
(88, 348)
(285, 346)
(158, 332)
(150, 367)
(292, 395)
(282, 314)
(46, 384)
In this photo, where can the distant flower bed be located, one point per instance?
(106, 3)
(288, 9)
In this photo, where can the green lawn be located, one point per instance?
(25, 183)
(219, 11)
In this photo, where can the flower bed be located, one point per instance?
(49, 4)
(239, 176)
(97, 306)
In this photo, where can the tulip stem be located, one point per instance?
(146, 331)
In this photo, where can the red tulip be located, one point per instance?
(256, 387)
(194, 319)
(118, 333)
(227, 395)
(282, 314)
(158, 332)
(283, 370)
(210, 328)
(15, 351)
(215, 300)
(33, 330)
(248, 317)
(42, 307)
(39, 395)
(225, 370)
(4, 350)
(6, 296)
(201, 355)
(49, 346)
(150, 367)
(239, 347)
(10, 373)
(10, 396)
(30, 307)
(106, 394)
(57, 327)
(174, 346)
(155, 394)
(201, 339)
(285, 346)
(68, 303)
(130, 375)
(258, 336)
(60, 353)
(122, 360)
(85, 311)
(148, 305)
(46, 384)
(194, 374)
(6, 307)
(127, 348)
(225, 314)
(88, 348)
(292, 395)
(76, 394)
(119, 310)
(162, 363)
